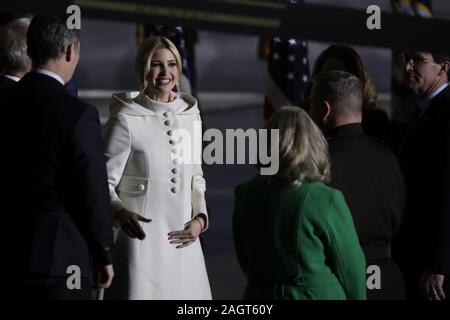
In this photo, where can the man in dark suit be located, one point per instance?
(366, 172)
(424, 241)
(6, 82)
(14, 61)
(56, 177)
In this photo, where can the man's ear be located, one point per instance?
(327, 110)
(69, 52)
(444, 67)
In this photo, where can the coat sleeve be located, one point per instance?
(118, 146)
(347, 257)
(440, 263)
(90, 173)
(199, 184)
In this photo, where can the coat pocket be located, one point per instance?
(132, 192)
(133, 186)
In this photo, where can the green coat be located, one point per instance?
(297, 242)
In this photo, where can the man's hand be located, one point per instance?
(106, 274)
(128, 220)
(431, 286)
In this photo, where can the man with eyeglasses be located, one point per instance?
(423, 245)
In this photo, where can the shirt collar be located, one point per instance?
(10, 76)
(50, 74)
(425, 102)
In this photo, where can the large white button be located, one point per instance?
(169, 133)
(175, 170)
(176, 161)
(166, 114)
(174, 190)
(141, 187)
(174, 180)
(168, 123)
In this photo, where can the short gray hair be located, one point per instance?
(342, 89)
(303, 150)
(13, 47)
(48, 36)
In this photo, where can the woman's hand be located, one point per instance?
(128, 220)
(190, 233)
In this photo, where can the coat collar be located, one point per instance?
(138, 104)
(348, 130)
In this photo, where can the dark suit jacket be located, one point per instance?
(375, 123)
(424, 242)
(57, 184)
(367, 173)
(5, 85)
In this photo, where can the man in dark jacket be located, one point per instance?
(366, 172)
(424, 241)
(56, 177)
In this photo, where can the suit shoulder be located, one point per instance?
(321, 195)
(381, 153)
(75, 107)
(440, 105)
(318, 201)
(379, 144)
(358, 146)
(77, 103)
(321, 191)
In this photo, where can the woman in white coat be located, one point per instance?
(153, 149)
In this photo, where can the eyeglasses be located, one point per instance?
(414, 60)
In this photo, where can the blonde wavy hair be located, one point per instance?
(146, 50)
(303, 150)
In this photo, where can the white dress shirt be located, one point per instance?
(50, 74)
(10, 76)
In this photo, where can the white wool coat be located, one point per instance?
(145, 177)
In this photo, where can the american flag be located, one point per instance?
(288, 73)
(421, 8)
(177, 35)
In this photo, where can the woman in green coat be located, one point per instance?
(294, 235)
